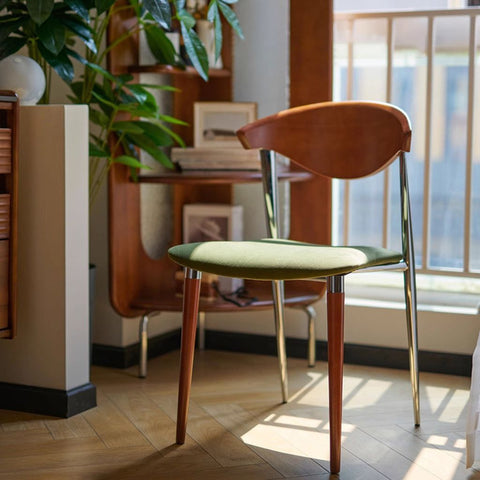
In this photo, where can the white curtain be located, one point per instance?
(473, 413)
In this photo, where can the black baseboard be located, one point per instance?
(436, 362)
(124, 357)
(48, 401)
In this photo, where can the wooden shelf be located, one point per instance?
(223, 177)
(171, 70)
(295, 295)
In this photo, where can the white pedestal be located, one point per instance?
(51, 350)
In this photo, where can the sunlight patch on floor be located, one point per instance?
(289, 421)
(437, 440)
(442, 402)
(453, 406)
(370, 393)
(460, 443)
(293, 435)
(447, 469)
(308, 392)
(282, 440)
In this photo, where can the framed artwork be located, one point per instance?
(215, 123)
(205, 222)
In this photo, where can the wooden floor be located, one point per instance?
(239, 430)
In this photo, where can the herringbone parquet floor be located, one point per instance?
(239, 430)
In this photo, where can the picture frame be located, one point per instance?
(212, 221)
(206, 222)
(215, 123)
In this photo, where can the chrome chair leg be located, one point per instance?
(201, 330)
(278, 299)
(143, 337)
(412, 334)
(410, 287)
(312, 315)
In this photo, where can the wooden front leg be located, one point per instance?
(191, 299)
(335, 315)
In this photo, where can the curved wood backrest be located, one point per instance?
(336, 139)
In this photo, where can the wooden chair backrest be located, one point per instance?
(335, 139)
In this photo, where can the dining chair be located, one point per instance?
(344, 140)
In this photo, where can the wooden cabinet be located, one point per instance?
(140, 284)
(9, 107)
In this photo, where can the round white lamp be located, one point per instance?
(24, 76)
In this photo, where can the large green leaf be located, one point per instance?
(81, 29)
(98, 117)
(74, 54)
(186, 18)
(124, 78)
(52, 35)
(196, 51)
(232, 19)
(173, 120)
(214, 17)
(11, 24)
(143, 96)
(170, 132)
(95, 151)
(155, 133)
(108, 102)
(40, 10)
(78, 6)
(131, 162)
(11, 45)
(103, 5)
(168, 88)
(16, 8)
(160, 11)
(60, 63)
(160, 45)
(102, 71)
(127, 127)
(149, 146)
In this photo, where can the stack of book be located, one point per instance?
(197, 158)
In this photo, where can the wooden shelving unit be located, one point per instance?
(140, 284)
(9, 107)
(197, 177)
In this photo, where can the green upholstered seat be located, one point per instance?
(270, 259)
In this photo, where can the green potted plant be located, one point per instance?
(52, 31)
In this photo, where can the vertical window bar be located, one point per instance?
(428, 129)
(386, 176)
(469, 159)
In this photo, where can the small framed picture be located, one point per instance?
(215, 123)
(212, 221)
(205, 222)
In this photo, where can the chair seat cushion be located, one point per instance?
(269, 259)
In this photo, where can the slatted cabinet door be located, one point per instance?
(9, 109)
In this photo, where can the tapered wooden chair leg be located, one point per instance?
(335, 314)
(191, 298)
